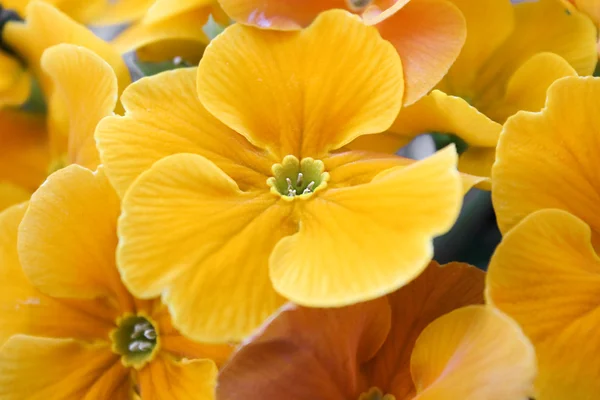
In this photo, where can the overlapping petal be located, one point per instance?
(546, 275)
(15, 82)
(379, 232)
(356, 87)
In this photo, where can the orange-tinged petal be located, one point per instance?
(277, 14)
(40, 369)
(166, 379)
(303, 352)
(212, 266)
(24, 309)
(394, 218)
(546, 275)
(428, 35)
(551, 154)
(45, 27)
(266, 85)
(67, 239)
(475, 352)
(164, 117)
(15, 84)
(86, 101)
(24, 155)
(437, 291)
(527, 87)
(590, 7)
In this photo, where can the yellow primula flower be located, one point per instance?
(248, 194)
(513, 53)
(69, 328)
(426, 341)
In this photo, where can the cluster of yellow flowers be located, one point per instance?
(240, 226)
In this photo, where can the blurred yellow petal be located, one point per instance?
(68, 237)
(548, 159)
(86, 100)
(15, 82)
(212, 266)
(428, 35)
(474, 352)
(11, 194)
(356, 87)
(546, 275)
(164, 117)
(165, 9)
(590, 7)
(394, 218)
(116, 12)
(41, 369)
(166, 379)
(24, 309)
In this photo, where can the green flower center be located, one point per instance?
(358, 5)
(135, 339)
(375, 394)
(293, 178)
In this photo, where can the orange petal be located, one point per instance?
(166, 379)
(40, 369)
(546, 275)
(356, 87)
(86, 102)
(307, 351)
(475, 352)
(428, 35)
(163, 117)
(212, 267)
(68, 237)
(24, 309)
(394, 248)
(547, 159)
(437, 291)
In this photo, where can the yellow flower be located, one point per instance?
(589, 7)
(419, 342)
(249, 194)
(170, 29)
(511, 56)
(69, 327)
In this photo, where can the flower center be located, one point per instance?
(135, 339)
(358, 5)
(293, 178)
(375, 394)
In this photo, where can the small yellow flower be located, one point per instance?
(426, 341)
(248, 193)
(68, 326)
(513, 53)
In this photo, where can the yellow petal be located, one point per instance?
(164, 117)
(15, 82)
(474, 352)
(166, 379)
(46, 26)
(212, 266)
(590, 7)
(304, 351)
(394, 218)
(546, 275)
(12, 194)
(116, 12)
(266, 85)
(428, 35)
(86, 100)
(166, 9)
(24, 309)
(548, 159)
(68, 237)
(40, 369)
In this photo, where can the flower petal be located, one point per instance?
(361, 242)
(24, 309)
(121, 11)
(40, 368)
(303, 352)
(474, 352)
(212, 266)
(546, 275)
(552, 154)
(428, 35)
(165, 9)
(166, 379)
(15, 85)
(12, 194)
(437, 291)
(164, 117)
(86, 101)
(67, 239)
(355, 88)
